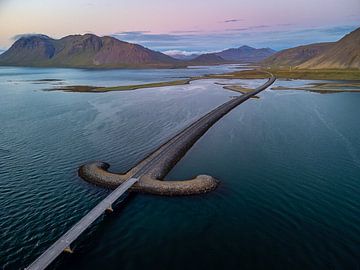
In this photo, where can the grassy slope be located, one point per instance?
(318, 74)
(313, 74)
(343, 54)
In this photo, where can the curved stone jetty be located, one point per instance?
(157, 165)
(145, 177)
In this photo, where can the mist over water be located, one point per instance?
(288, 164)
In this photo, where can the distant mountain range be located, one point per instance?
(209, 58)
(91, 51)
(243, 54)
(82, 51)
(246, 54)
(296, 56)
(342, 54)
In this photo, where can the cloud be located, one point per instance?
(254, 27)
(259, 36)
(133, 33)
(233, 20)
(18, 36)
(89, 32)
(155, 41)
(355, 15)
(144, 36)
(285, 24)
(184, 53)
(186, 31)
(336, 30)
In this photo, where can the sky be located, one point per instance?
(184, 26)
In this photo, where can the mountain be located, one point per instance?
(82, 51)
(208, 58)
(342, 54)
(296, 56)
(181, 55)
(245, 54)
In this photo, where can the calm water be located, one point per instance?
(111, 77)
(289, 163)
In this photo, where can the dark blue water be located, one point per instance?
(289, 163)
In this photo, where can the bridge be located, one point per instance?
(145, 176)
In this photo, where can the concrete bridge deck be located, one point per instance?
(145, 176)
(63, 243)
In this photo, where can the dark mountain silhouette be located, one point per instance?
(296, 56)
(246, 54)
(82, 51)
(342, 54)
(208, 58)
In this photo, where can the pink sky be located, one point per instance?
(175, 17)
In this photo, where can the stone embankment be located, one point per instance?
(152, 169)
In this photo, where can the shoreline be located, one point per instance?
(314, 90)
(324, 87)
(103, 89)
(331, 75)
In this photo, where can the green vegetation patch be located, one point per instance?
(242, 74)
(317, 74)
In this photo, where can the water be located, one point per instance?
(101, 77)
(289, 164)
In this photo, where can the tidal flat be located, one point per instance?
(350, 77)
(325, 87)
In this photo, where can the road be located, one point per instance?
(200, 126)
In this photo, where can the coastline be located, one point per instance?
(102, 89)
(332, 75)
(316, 90)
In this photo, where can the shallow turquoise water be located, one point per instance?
(288, 163)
